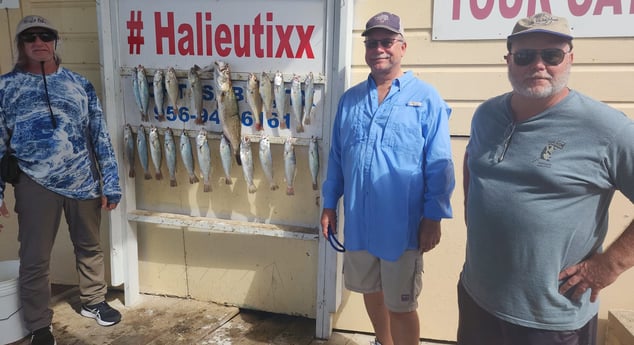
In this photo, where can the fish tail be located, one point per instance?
(162, 118)
(207, 187)
(307, 119)
(132, 173)
(199, 120)
(315, 186)
(173, 183)
(258, 126)
(147, 175)
(300, 128)
(252, 188)
(290, 190)
(274, 186)
(158, 175)
(228, 180)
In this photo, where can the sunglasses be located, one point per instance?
(385, 43)
(550, 56)
(45, 36)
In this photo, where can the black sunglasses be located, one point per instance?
(45, 36)
(385, 43)
(550, 56)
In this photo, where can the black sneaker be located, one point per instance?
(43, 336)
(103, 313)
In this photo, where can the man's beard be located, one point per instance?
(555, 85)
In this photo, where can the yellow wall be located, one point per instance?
(280, 274)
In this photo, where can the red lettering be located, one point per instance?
(615, 4)
(269, 35)
(208, 34)
(304, 41)
(545, 5)
(186, 43)
(579, 10)
(285, 41)
(163, 32)
(455, 14)
(223, 37)
(242, 50)
(199, 33)
(258, 30)
(481, 13)
(510, 11)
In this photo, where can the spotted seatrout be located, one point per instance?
(254, 99)
(172, 87)
(156, 152)
(170, 155)
(128, 140)
(141, 144)
(225, 157)
(204, 158)
(266, 160)
(266, 92)
(247, 163)
(143, 88)
(313, 160)
(187, 156)
(290, 165)
(309, 93)
(296, 102)
(196, 93)
(229, 115)
(159, 93)
(279, 93)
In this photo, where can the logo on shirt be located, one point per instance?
(405, 298)
(547, 153)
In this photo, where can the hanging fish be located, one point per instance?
(296, 102)
(309, 93)
(170, 155)
(266, 160)
(135, 90)
(155, 152)
(141, 144)
(254, 99)
(313, 160)
(159, 93)
(247, 163)
(225, 157)
(128, 140)
(289, 165)
(144, 92)
(187, 157)
(222, 76)
(172, 87)
(196, 92)
(204, 158)
(230, 116)
(279, 91)
(266, 92)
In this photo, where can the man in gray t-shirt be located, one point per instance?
(541, 168)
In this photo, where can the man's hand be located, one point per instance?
(594, 273)
(107, 206)
(328, 219)
(428, 234)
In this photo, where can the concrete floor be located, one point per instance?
(159, 320)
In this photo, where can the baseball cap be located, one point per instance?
(384, 20)
(34, 21)
(542, 22)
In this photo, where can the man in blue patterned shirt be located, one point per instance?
(390, 160)
(51, 120)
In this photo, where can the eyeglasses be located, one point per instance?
(45, 36)
(550, 56)
(385, 43)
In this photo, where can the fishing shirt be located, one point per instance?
(538, 199)
(392, 163)
(76, 159)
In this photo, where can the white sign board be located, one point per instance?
(9, 3)
(251, 36)
(494, 19)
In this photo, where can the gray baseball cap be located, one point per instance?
(384, 20)
(542, 22)
(33, 21)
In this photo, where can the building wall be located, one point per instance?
(280, 274)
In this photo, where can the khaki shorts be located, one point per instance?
(401, 281)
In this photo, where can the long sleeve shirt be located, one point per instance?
(392, 164)
(74, 159)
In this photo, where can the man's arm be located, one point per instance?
(601, 269)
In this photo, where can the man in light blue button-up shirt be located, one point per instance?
(390, 158)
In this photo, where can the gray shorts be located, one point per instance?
(401, 281)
